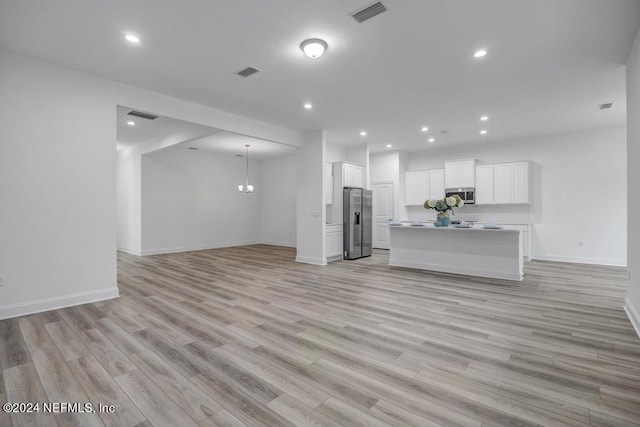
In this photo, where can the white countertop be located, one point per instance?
(475, 227)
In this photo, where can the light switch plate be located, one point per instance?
(1, 279)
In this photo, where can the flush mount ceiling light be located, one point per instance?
(424, 129)
(483, 131)
(389, 145)
(246, 188)
(313, 48)
(432, 140)
(484, 118)
(132, 38)
(131, 123)
(308, 106)
(363, 133)
(479, 53)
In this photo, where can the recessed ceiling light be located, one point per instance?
(308, 106)
(484, 118)
(483, 131)
(424, 129)
(313, 48)
(363, 133)
(132, 38)
(432, 139)
(479, 53)
(131, 123)
(389, 145)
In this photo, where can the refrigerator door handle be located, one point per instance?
(357, 216)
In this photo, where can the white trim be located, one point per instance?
(309, 260)
(275, 243)
(130, 251)
(146, 252)
(632, 313)
(581, 260)
(46, 304)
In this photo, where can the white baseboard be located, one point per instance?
(46, 304)
(581, 260)
(196, 248)
(276, 243)
(632, 314)
(309, 260)
(130, 251)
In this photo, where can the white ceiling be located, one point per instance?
(550, 62)
(209, 139)
(233, 144)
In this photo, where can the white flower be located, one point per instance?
(451, 201)
(460, 203)
(432, 203)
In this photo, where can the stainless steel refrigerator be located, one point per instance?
(357, 222)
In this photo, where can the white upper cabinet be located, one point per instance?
(353, 175)
(460, 173)
(436, 184)
(503, 183)
(521, 193)
(328, 183)
(416, 187)
(484, 185)
(422, 185)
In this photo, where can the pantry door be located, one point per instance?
(383, 201)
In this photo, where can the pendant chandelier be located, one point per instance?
(246, 188)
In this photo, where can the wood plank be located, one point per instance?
(189, 397)
(156, 406)
(101, 389)
(23, 385)
(61, 386)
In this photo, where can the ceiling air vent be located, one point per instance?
(247, 72)
(605, 106)
(369, 12)
(142, 115)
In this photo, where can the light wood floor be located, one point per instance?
(245, 336)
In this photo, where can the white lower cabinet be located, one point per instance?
(334, 243)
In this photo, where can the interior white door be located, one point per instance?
(383, 201)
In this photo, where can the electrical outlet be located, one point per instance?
(1, 279)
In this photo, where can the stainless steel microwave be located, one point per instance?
(467, 194)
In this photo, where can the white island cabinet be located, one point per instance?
(471, 251)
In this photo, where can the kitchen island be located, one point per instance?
(473, 251)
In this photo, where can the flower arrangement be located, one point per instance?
(444, 207)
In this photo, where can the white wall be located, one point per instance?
(57, 167)
(310, 208)
(129, 201)
(385, 166)
(278, 190)
(57, 175)
(190, 201)
(632, 303)
(571, 172)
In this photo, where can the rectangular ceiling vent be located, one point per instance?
(369, 12)
(247, 72)
(605, 106)
(142, 115)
